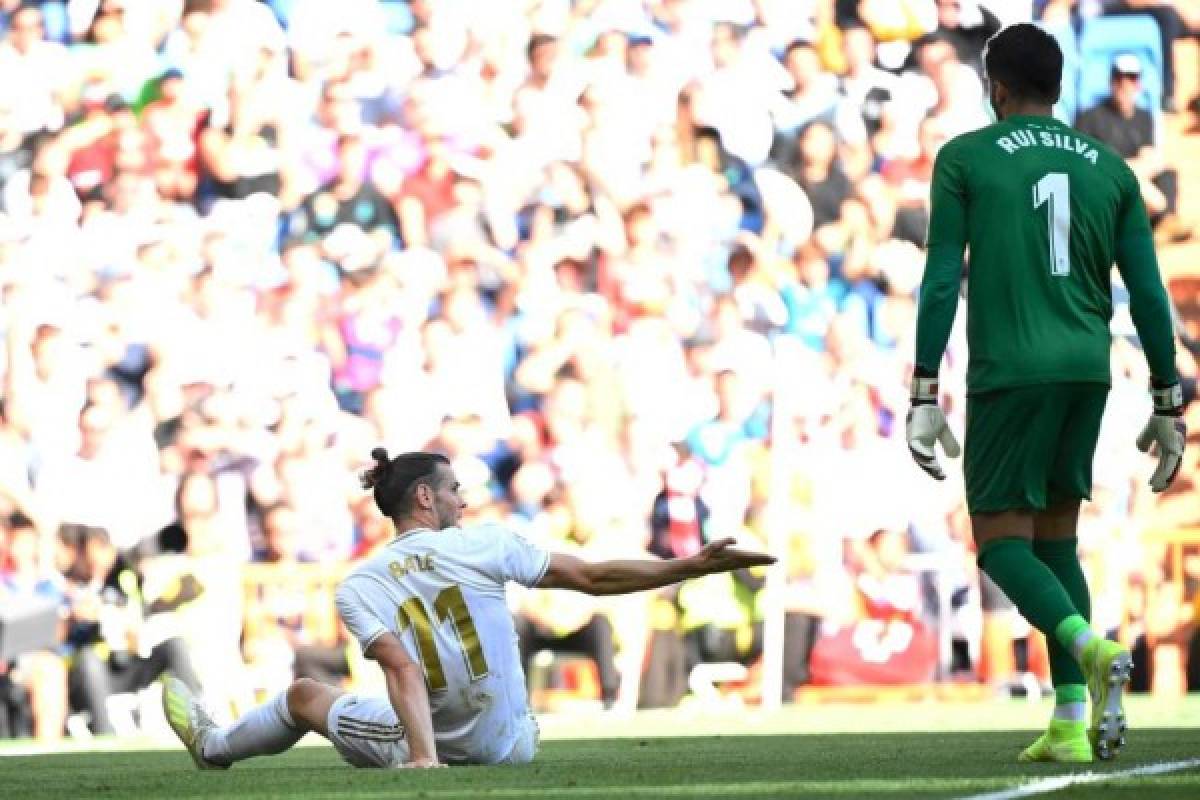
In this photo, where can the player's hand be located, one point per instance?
(720, 556)
(926, 425)
(1166, 433)
(422, 763)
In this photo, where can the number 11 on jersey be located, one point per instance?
(1054, 189)
(451, 606)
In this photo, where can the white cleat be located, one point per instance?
(189, 719)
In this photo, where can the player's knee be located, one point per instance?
(308, 703)
(303, 691)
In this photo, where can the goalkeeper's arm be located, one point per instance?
(1151, 311)
(938, 300)
(1148, 304)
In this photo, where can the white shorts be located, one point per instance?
(366, 733)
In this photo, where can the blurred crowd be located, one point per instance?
(644, 269)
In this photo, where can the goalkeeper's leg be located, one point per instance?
(1055, 544)
(1104, 665)
(1040, 597)
(1029, 450)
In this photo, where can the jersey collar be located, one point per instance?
(410, 532)
(1038, 118)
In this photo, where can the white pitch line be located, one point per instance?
(1063, 781)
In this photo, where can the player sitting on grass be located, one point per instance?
(430, 608)
(1044, 211)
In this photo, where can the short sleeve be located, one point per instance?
(516, 558)
(362, 623)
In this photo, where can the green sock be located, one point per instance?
(1031, 586)
(1062, 558)
(1070, 693)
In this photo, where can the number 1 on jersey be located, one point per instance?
(1054, 189)
(449, 605)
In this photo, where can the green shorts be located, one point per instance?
(1031, 447)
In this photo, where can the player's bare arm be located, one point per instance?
(624, 576)
(409, 697)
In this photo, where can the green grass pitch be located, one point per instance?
(913, 750)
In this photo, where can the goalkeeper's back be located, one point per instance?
(1041, 208)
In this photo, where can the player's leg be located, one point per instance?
(528, 736)
(1055, 544)
(1106, 666)
(265, 730)
(274, 726)
(309, 702)
(1010, 445)
(363, 730)
(1065, 739)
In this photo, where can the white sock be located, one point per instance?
(262, 731)
(1085, 636)
(1074, 712)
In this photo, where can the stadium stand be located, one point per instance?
(644, 277)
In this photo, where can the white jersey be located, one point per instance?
(441, 593)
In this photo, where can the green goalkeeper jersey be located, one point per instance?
(1043, 212)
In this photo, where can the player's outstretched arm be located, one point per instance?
(633, 575)
(409, 697)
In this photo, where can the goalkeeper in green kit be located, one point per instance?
(1044, 211)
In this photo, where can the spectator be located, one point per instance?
(41, 68)
(813, 94)
(967, 25)
(104, 632)
(865, 86)
(34, 685)
(1175, 21)
(813, 297)
(563, 622)
(1119, 123)
(813, 164)
(350, 219)
(721, 620)
(170, 122)
(677, 525)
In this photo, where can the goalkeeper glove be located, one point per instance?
(1166, 430)
(926, 425)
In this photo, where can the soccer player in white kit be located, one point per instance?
(430, 609)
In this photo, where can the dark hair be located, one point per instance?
(394, 481)
(17, 520)
(1027, 60)
(93, 533)
(536, 41)
(72, 534)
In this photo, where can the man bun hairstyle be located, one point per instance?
(393, 481)
(1027, 60)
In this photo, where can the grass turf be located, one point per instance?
(640, 762)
